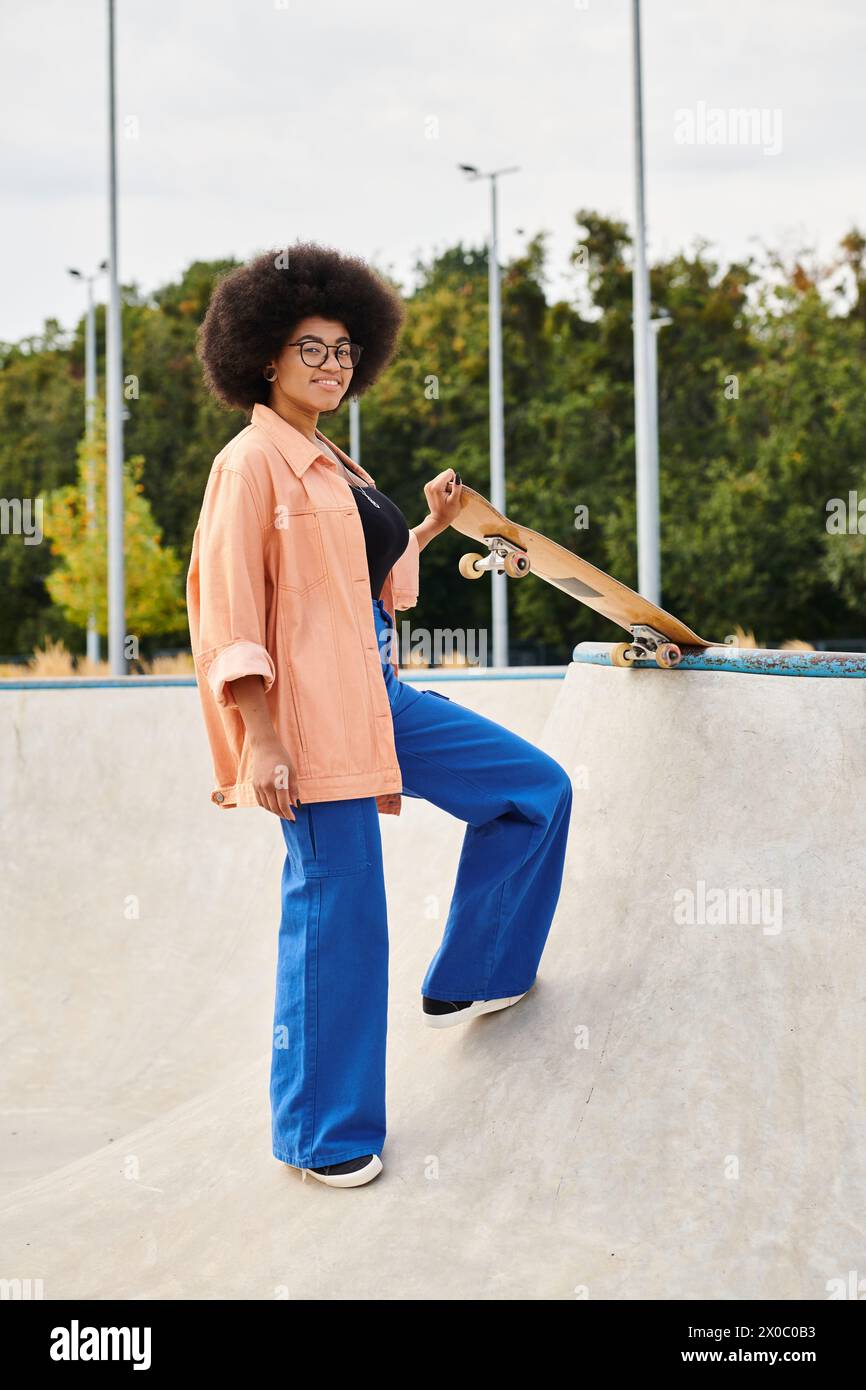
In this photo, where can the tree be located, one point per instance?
(78, 583)
(762, 416)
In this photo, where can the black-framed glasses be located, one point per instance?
(315, 354)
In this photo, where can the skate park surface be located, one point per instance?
(674, 1111)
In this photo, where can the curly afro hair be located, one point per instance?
(255, 308)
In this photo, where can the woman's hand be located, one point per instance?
(274, 779)
(443, 497)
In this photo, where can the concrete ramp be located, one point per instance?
(139, 922)
(714, 933)
(675, 1111)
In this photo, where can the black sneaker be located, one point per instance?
(444, 1013)
(353, 1173)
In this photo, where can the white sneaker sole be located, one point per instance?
(363, 1175)
(481, 1006)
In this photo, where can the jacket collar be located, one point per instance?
(299, 451)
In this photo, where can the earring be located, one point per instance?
(270, 369)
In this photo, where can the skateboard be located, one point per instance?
(517, 551)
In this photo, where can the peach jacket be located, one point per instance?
(278, 586)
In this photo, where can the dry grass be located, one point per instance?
(181, 665)
(54, 661)
(746, 638)
(51, 660)
(414, 662)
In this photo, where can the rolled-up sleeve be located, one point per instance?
(405, 574)
(231, 587)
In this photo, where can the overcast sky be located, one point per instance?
(249, 123)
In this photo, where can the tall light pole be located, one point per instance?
(89, 427)
(355, 429)
(114, 400)
(497, 411)
(646, 439)
(656, 326)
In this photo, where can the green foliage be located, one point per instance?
(762, 416)
(78, 583)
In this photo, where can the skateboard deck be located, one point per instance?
(519, 551)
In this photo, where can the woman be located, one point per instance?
(298, 566)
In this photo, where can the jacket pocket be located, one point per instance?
(293, 697)
(439, 693)
(300, 553)
(284, 700)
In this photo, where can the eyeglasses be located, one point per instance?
(315, 354)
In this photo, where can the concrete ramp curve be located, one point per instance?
(674, 1111)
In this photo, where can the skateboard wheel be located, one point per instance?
(623, 654)
(516, 566)
(668, 654)
(468, 563)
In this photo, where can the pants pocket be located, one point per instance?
(337, 839)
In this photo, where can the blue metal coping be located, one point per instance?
(751, 661)
(516, 673)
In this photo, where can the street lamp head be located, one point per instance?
(470, 169)
(79, 274)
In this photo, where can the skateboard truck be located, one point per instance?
(503, 555)
(646, 644)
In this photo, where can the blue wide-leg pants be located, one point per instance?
(327, 1084)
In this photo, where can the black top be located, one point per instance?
(386, 533)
